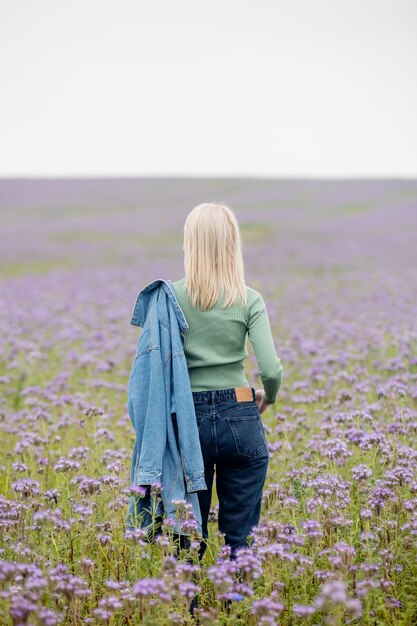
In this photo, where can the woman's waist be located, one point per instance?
(243, 393)
(224, 376)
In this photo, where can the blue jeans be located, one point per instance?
(235, 448)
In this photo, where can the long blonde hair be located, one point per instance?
(213, 259)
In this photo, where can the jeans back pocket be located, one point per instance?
(247, 430)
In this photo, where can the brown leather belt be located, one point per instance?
(243, 394)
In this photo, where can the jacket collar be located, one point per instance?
(143, 299)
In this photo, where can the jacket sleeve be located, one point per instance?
(148, 404)
(188, 437)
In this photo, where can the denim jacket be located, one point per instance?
(159, 386)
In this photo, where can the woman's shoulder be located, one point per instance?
(253, 295)
(179, 282)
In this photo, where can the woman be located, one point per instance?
(221, 310)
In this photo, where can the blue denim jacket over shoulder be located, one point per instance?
(159, 385)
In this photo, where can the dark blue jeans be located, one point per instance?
(235, 449)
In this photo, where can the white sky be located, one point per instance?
(213, 87)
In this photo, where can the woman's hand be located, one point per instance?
(260, 399)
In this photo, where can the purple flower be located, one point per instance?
(361, 472)
(302, 610)
(26, 487)
(334, 592)
(266, 607)
(149, 586)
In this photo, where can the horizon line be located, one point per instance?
(208, 176)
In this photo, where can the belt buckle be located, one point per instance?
(243, 394)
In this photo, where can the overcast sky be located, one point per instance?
(214, 87)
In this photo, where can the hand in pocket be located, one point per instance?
(260, 400)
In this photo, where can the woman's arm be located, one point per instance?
(269, 363)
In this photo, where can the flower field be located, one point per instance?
(336, 262)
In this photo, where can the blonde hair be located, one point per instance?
(213, 259)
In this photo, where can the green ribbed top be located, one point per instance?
(215, 344)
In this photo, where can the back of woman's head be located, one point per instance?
(213, 259)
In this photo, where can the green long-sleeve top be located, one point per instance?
(215, 343)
